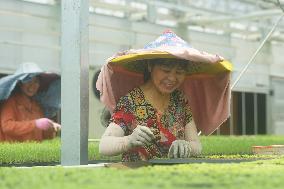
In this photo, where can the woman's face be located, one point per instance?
(30, 88)
(167, 78)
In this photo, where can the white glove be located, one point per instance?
(141, 136)
(179, 149)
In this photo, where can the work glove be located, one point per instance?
(179, 149)
(141, 136)
(45, 124)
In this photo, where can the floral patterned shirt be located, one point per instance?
(133, 109)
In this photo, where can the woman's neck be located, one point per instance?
(158, 100)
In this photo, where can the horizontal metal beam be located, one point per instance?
(259, 15)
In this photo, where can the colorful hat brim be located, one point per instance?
(134, 63)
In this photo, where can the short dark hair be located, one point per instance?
(95, 90)
(166, 62)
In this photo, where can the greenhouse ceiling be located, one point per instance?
(249, 19)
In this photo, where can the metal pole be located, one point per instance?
(255, 107)
(151, 12)
(75, 89)
(232, 116)
(244, 113)
(256, 52)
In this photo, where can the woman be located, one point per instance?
(22, 117)
(154, 117)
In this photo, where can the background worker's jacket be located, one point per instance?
(17, 116)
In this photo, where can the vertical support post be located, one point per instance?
(151, 12)
(269, 103)
(231, 123)
(255, 115)
(244, 113)
(74, 81)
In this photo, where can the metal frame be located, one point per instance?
(231, 123)
(244, 127)
(255, 106)
(244, 116)
(213, 15)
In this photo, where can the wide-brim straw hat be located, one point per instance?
(170, 46)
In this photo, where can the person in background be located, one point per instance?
(21, 116)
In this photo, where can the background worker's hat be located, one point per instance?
(206, 85)
(170, 46)
(49, 92)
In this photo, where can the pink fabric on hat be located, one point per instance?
(113, 85)
(208, 95)
(209, 98)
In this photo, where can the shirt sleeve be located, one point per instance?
(123, 114)
(9, 123)
(49, 134)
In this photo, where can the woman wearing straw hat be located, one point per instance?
(160, 96)
(22, 116)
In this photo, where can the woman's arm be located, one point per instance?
(113, 141)
(9, 124)
(192, 137)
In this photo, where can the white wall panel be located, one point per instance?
(27, 7)
(109, 35)
(209, 38)
(31, 32)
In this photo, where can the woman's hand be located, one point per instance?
(45, 124)
(141, 136)
(56, 127)
(179, 149)
(192, 136)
